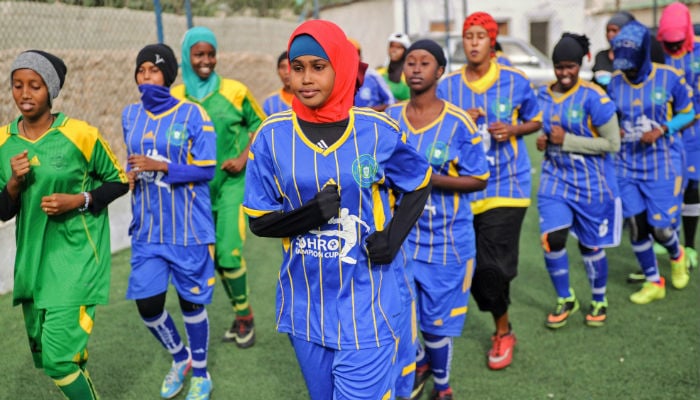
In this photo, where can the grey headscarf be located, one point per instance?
(51, 69)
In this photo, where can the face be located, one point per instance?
(312, 80)
(566, 73)
(30, 93)
(203, 59)
(396, 51)
(477, 45)
(674, 47)
(611, 31)
(149, 73)
(421, 70)
(283, 72)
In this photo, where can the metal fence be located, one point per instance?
(99, 46)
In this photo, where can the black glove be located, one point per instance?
(379, 249)
(328, 201)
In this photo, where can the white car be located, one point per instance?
(520, 53)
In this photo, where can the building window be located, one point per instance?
(539, 35)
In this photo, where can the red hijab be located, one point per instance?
(486, 21)
(675, 25)
(344, 60)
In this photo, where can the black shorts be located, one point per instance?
(497, 240)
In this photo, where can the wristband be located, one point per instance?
(87, 203)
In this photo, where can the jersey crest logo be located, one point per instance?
(574, 115)
(57, 161)
(437, 153)
(502, 108)
(695, 65)
(364, 170)
(658, 96)
(177, 134)
(341, 242)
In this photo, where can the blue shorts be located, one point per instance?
(191, 268)
(692, 164)
(443, 295)
(346, 374)
(661, 200)
(594, 225)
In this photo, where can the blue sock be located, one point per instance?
(197, 327)
(439, 349)
(163, 328)
(596, 263)
(644, 252)
(673, 246)
(557, 263)
(421, 355)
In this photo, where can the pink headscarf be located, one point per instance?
(675, 25)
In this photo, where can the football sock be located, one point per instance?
(596, 263)
(197, 328)
(644, 251)
(163, 328)
(77, 386)
(235, 281)
(673, 246)
(421, 355)
(439, 349)
(690, 225)
(557, 263)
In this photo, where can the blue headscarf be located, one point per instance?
(632, 49)
(194, 85)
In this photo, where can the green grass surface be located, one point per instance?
(644, 352)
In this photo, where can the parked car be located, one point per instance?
(521, 54)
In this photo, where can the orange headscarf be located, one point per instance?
(344, 60)
(485, 20)
(675, 25)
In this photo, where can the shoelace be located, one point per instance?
(497, 341)
(174, 373)
(197, 384)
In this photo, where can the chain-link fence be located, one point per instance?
(99, 46)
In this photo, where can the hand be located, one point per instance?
(475, 113)
(501, 132)
(19, 165)
(556, 136)
(141, 163)
(651, 136)
(235, 165)
(378, 248)
(58, 203)
(132, 176)
(328, 201)
(541, 142)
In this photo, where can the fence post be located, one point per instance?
(159, 20)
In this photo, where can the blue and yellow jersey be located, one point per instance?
(178, 214)
(61, 260)
(643, 107)
(276, 102)
(689, 64)
(328, 291)
(505, 95)
(236, 115)
(583, 178)
(451, 144)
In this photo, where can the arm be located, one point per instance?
(382, 246)
(9, 206)
(457, 183)
(608, 142)
(312, 214)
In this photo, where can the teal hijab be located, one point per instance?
(194, 85)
